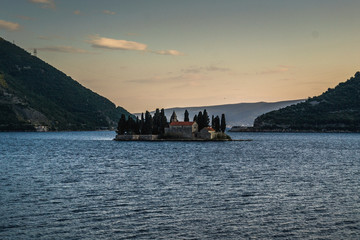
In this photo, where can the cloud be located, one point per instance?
(109, 12)
(10, 26)
(62, 49)
(217, 69)
(279, 69)
(115, 44)
(50, 37)
(77, 12)
(109, 43)
(180, 80)
(25, 18)
(193, 69)
(168, 52)
(211, 68)
(45, 3)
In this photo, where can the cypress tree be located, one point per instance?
(223, 123)
(142, 124)
(148, 125)
(217, 124)
(206, 119)
(212, 122)
(186, 116)
(195, 119)
(121, 125)
(200, 120)
(130, 125)
(137, 126)
(156, 122)
(163, 121)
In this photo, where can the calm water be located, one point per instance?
(84, 186)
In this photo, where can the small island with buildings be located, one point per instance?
(157, 128)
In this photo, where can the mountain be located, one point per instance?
(239, 114)
(35, 95)
(337, 109)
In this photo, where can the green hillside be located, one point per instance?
(33, 94)
(337, 109)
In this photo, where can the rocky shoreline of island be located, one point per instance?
(157, 138)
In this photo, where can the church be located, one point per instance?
(187, 130)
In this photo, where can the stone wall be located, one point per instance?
(185, 132)
(204, 134)
(136, 137)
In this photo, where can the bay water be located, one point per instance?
(84, 185)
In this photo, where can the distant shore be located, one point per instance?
(252, 129)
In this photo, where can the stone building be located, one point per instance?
(185, 130)
(207, 133)
(173, 117)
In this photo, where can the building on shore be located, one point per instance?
(189, 130)
(173, 117)
(207, 133)
(185, 130)
(175, 130)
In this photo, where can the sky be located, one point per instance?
(147, 54)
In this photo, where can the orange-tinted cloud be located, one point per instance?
(279, 69)
(116, 44)
(10, 26)
(210, 68)
(109, 43)
(45, 3)
(109, 12)
(168, 52)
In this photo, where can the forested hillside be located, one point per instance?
(337, 109)
(33, 94)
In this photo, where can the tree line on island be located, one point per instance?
(148, 124)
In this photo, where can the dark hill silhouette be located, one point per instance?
(33, 94)
(337, 109)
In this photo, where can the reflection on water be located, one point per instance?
(82, 185)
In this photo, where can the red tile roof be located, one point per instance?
(182, 123)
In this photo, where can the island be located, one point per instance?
(157, 128)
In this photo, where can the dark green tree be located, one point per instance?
(156, 122)
(137, 126)
(186, 116)
(195, 119)
(206, 120)
(223, 123)
(212, 122)
(121, 125)
(142, 124)
(203, 119)
(217, 124)
(148, 125)
(130, 125)
(200, 120)
(163, 122)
